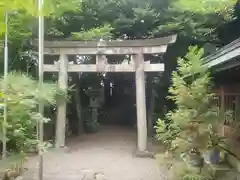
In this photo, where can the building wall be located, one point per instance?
(228, 99)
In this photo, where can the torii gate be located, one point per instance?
(135, 48)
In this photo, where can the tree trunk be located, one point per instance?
(150, 113)
(78, 106)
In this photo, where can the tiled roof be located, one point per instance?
(223, 55)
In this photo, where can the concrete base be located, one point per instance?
(144, 154)
(64, 149)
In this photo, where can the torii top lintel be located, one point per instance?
(146, 46)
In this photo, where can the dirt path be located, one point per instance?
(109, 151)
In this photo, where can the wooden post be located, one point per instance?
(150, 113)
(237, 107)
(79, 111)
(101, 62)
(222, 103)
(141, 102)
(61, 111)
(222, 109)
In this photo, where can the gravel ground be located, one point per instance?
(109, 152)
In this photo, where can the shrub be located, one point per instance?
(23, 97)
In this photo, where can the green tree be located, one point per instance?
(22, 101)
(125, 19)
(23, 26)
(191, 128)
(53, 8)
(199, 19)
(143, 19)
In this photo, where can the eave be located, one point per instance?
(224, 58)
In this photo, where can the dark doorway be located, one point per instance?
(120, 99)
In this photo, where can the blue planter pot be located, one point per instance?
(212, 156)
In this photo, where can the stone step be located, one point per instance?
(234, 162)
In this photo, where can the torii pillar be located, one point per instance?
(140, 102)
(62, 107)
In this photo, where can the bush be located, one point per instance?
(23, 96)
(190, 129)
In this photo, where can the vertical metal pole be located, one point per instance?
(40, 76)
(4, 148)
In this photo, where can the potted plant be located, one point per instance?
(212, 154)
(215, 151)
(193, 157)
